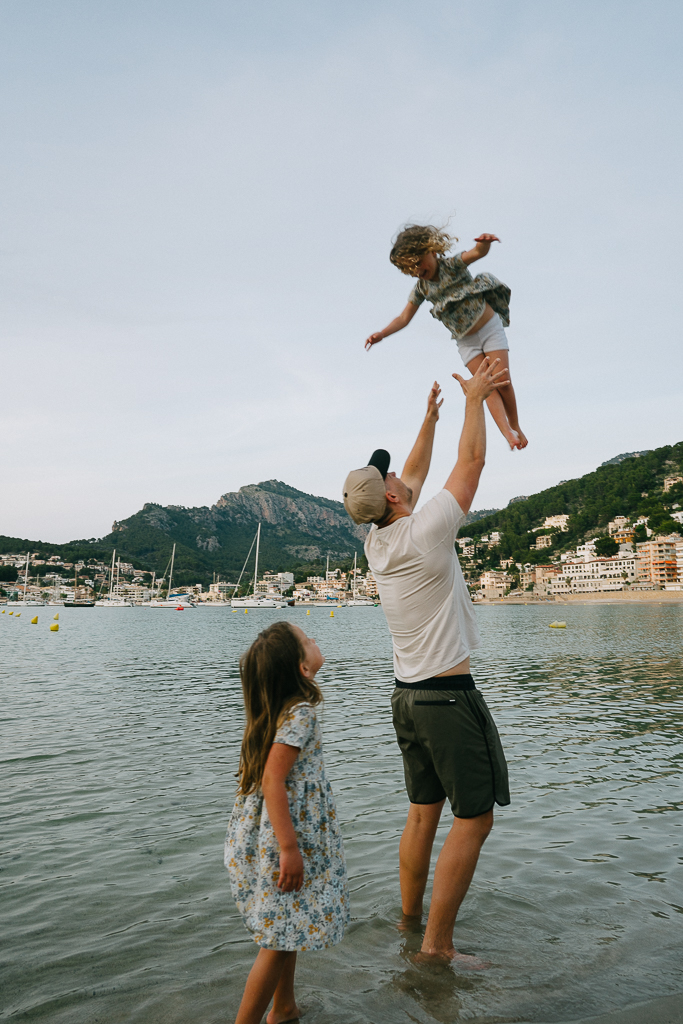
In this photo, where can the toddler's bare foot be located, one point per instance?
(472, 963)
(522, 438)
(283, 1016)
(513, 438)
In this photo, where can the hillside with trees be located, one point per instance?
(630, 486)
(298, 530)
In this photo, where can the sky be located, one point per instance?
(198, 201)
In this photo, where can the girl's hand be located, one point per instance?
(373, 339)
(291, 870)
(487, 238)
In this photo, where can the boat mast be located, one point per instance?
(258, 542)
(170, 576)
(355, 556)
(28, 555)
(111, 579)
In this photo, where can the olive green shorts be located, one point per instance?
(450, 745)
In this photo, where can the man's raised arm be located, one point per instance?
(464, 480)
(417, 464)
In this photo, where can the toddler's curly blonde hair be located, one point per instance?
(411, 244)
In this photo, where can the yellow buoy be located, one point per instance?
(3, 611)
(246, 611)
(18, 615)
(54, 627)
(34, 620)
(558, 625)
(234, 611)
(308, 611)
(331, 615)
(11, 613)
(56, 617)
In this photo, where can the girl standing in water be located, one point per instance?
(475, 310)
(284, 849)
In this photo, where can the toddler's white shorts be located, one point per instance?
(489, 338)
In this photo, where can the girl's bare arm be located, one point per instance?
(279, 763)
(481, 248)
(401, 321)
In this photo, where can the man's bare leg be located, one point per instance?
(414, 853)
(452, 877)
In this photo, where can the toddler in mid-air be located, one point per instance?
(475, 310)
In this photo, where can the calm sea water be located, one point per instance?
(120, 737)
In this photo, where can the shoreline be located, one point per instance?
(603, 597)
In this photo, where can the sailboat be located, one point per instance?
(355, 600)
(256, 600)
(27, 602)
(110, 601)
(176, 601)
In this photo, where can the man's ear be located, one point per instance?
(393, 498)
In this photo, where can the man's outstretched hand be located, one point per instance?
(433, 403)
(485, 380)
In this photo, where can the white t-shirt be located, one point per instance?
(424, 596)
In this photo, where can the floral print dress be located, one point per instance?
(458, 299)
(316, 916)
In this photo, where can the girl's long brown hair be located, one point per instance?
(411, 244)
(272, 683)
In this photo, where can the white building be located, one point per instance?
(494, 583)
(590, 575)
(275, 583)
(558, 522)
(370, 585)
(671, 480)
(618, 524)
(544, 541)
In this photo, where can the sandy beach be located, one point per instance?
(607, 597)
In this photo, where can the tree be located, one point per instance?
(606, 546)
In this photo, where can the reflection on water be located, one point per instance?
(120, 742)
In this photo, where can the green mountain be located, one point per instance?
(298, 531)
(629, 485)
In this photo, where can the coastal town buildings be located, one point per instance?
(493, 583)
(275, 583)
(657, 561)
(588, 575)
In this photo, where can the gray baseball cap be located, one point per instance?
(365, 491)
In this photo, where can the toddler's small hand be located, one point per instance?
(372, 340)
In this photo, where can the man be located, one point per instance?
(448, 739)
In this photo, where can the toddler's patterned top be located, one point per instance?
(458, 298)
(316, 916)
